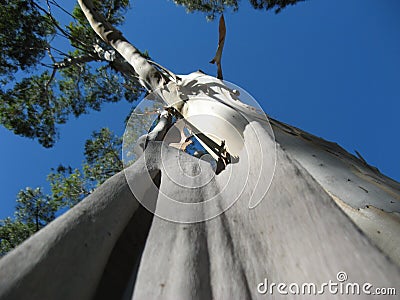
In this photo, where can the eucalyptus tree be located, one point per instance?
(210, 108)
(320, 198)
(63, 82)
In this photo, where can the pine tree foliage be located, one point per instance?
(41, 85)
(22, 26)
(215, 7)
(276, 5)
(35, 208)
(13, 233)
(102, 154)
(68, 186)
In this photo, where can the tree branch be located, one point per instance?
(67, 62)
(149, 76)
(60, 7)
(55, 23)
(53, 73)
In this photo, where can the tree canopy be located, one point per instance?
(212, 8)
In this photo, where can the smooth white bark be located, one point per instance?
(149, 76)
(296, 234)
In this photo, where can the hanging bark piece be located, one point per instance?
(218, 55)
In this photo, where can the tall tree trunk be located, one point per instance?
(311, 224)
(325, 212)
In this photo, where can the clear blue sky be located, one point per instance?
(331, 68)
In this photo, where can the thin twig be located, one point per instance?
(63, 9)
(55, 23)
(52, 74)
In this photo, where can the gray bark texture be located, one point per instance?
(326, 211)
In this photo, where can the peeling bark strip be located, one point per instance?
(149, 76)
(221, 41)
